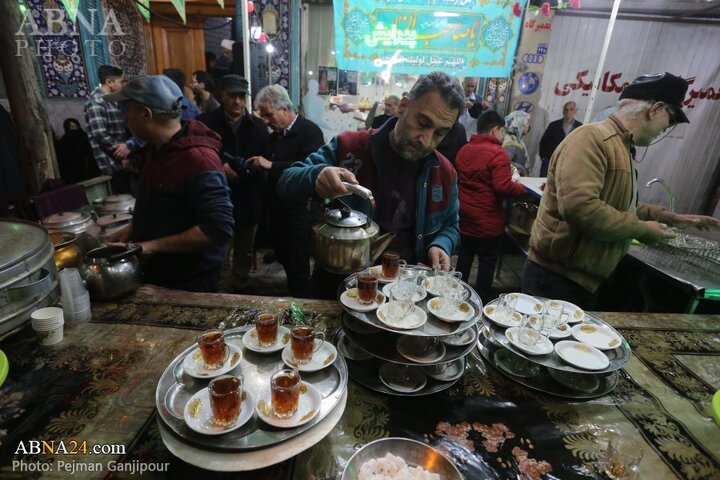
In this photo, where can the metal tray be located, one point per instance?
(618, 356)
(366, 374)
(434, 327)
(544, 382)
(383, 346)
(176, 387)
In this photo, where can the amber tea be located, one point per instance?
(390, 264)
(225, 399)
(266, 325)
(367, 289)
(303, 343)
(285, 393)
(212, 348)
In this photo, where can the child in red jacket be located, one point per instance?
(484, 178)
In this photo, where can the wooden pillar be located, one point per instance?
(32, 127)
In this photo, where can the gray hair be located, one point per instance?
(448, 87)
(632, 108)
(276, 96)
(394, 98)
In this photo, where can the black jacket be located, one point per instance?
(303, 139)
(252, 138)
(553, 136)
(455, 139)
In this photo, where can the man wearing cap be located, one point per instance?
(589, 213)
(183, 214)
(243, 136)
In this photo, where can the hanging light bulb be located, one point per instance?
(250, 7)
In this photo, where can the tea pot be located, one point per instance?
(348, 240)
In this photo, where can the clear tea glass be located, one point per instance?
(212, 348)
(303, 343)
(622, 461)
(390, 265)
(226, 398)
(367, 286)
(266, 325)
(285, 392)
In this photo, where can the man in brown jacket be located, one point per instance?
(589, 212)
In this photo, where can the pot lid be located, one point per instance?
(65, 219)
(19, 240)
(125, 197)
(116, 218)
(345, 217)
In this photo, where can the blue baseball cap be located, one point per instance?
(155, 91)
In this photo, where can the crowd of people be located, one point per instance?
(205, 182)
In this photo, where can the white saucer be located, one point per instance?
(308, 407)
(195, 367)
(466, 337)
(377, 271)
(541, 348)
(597, 335)
(404, 348)
(324, 357)
(491, 308)
(574, 313)
(417, 297)
(199, 417)
(452, 372)
(464, 312)
(563, 331)
(349, 299)
(351, 351)
(250, 340)
(528, 304)
(415, 381)
(416, 318)
(581, 355)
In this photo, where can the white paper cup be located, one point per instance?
(50, 337)
(46, 314)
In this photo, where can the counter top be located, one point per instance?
(99, 383)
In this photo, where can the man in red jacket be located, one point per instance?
(484, 178)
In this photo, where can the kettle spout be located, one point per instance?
(380, 244)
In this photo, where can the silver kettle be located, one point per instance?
(112, 272)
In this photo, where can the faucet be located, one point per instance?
(667, 187)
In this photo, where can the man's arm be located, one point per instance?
(501, 176)
(300, 178)
(313, 141)
(97, 127)
(187, 241)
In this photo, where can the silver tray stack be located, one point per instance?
(368, 344)
(176, 387)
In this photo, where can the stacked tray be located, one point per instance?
(385, 358)
(559, 370)
(176, 387)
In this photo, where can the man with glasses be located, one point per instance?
(589, 212)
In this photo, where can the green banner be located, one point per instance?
(464, 37)
(72, 7)
(180, 7)
(143, 7)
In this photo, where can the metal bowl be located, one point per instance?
(415, 454)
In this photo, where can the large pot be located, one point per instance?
(68, 253)
(79, 223)
(348, 241)
(112, 272)
(111, 224)
(124, 203)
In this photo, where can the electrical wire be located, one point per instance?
(180, 24)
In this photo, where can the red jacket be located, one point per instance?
(484, 176)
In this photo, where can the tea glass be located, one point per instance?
(554, 313)
(507, 303)
(453, 296)
(622, 461)
(212, 348)
(421, 346)
(285, 392)
(303, 343)
(226, 398)
(266, 325)
(401, 303)
(367, 286)
(533, 330)
(390, 265)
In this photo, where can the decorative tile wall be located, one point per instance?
(281, 42)
(127, 48)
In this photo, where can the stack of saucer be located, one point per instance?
(75, 297)
(48, 324)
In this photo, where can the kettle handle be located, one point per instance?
(132, 249)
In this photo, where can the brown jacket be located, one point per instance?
(585, 224)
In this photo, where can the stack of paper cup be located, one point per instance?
(48, 324)
(75, 297)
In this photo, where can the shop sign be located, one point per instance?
(416, 36)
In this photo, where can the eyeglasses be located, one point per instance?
(672, 112)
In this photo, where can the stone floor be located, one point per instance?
(269, 279)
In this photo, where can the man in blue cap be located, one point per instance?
(183, 215)
(589, 212)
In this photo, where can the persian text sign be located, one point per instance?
(462, 37)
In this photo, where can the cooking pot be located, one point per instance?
(79, 223)
(68, 253)
(348, 240)
(112, 272)
(124, 203)
(110, 224)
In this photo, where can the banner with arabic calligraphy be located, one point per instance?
(463, 37)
